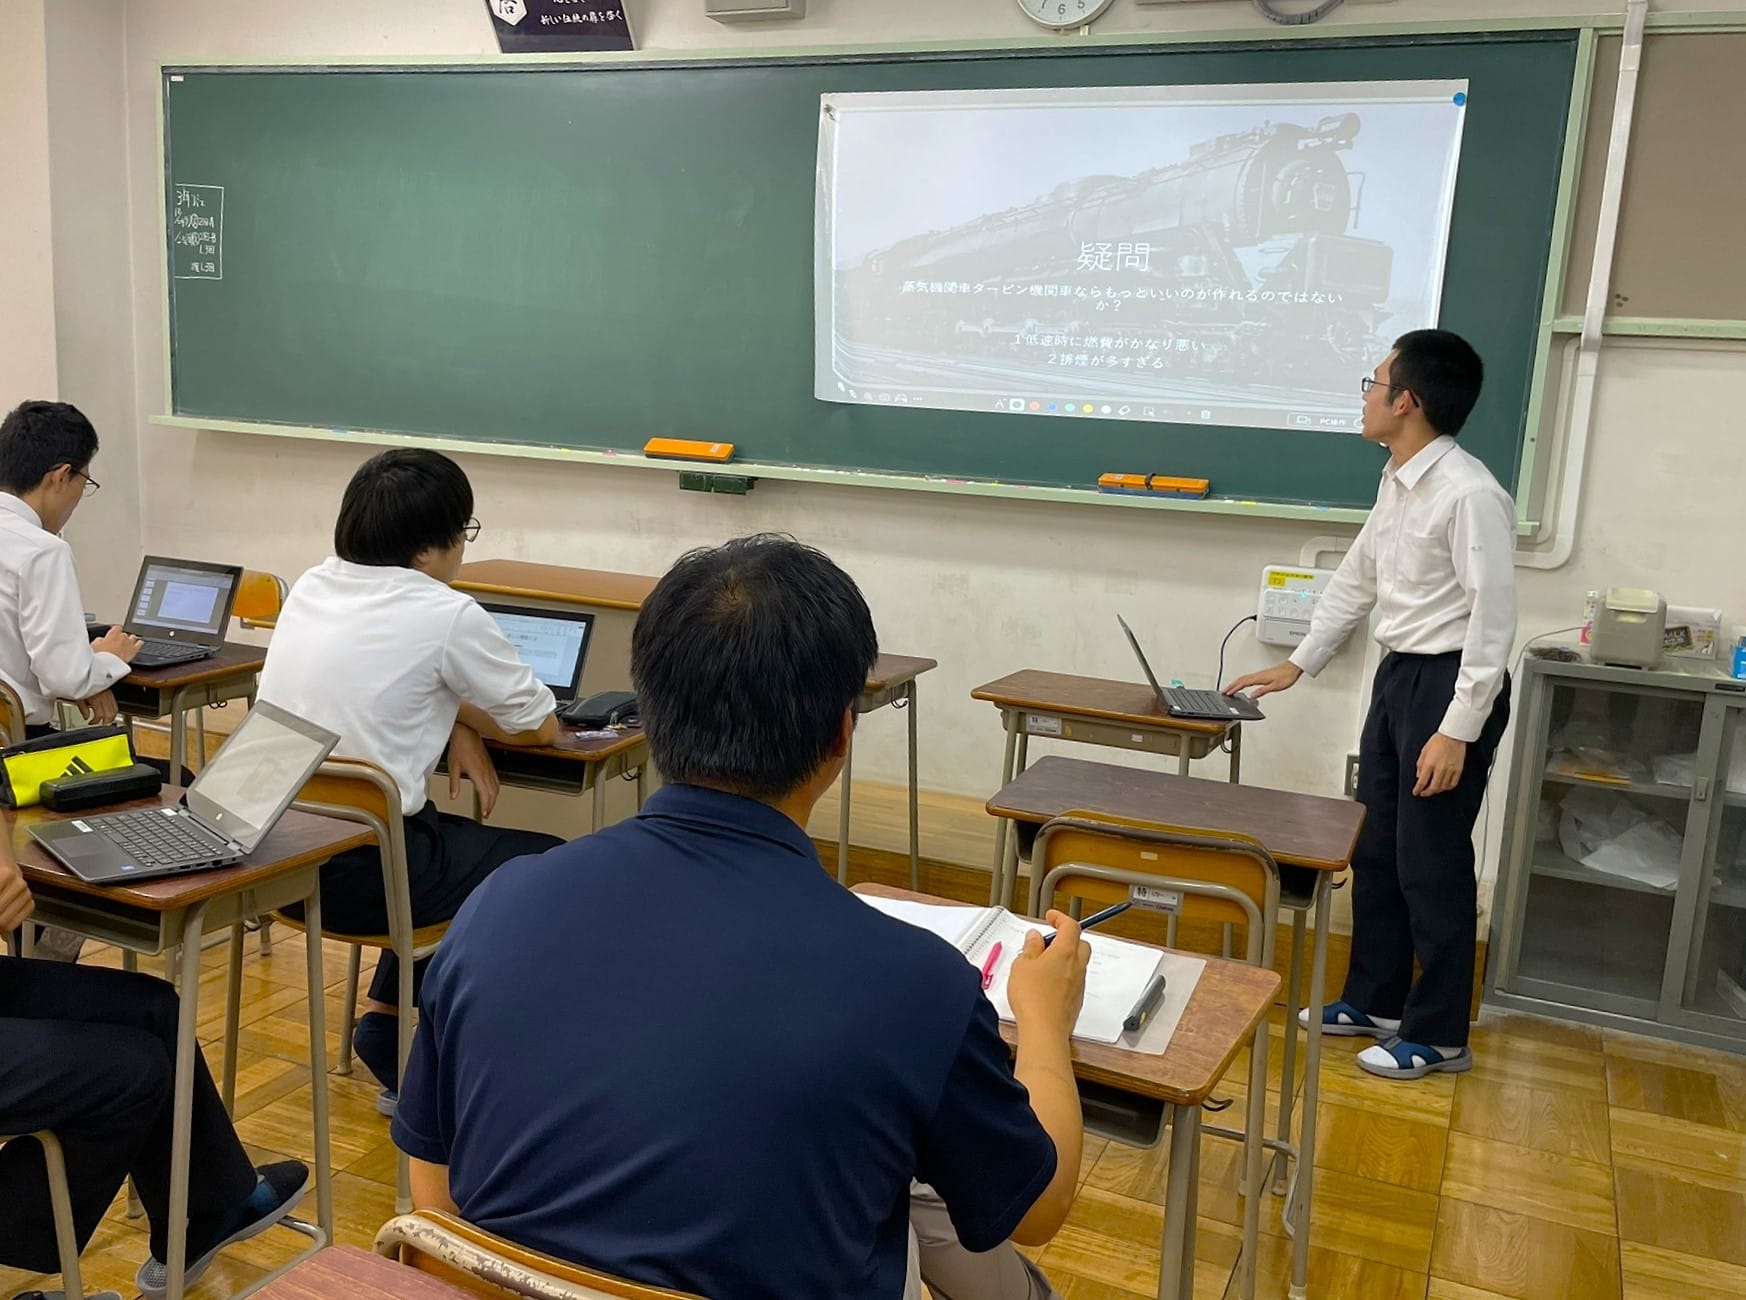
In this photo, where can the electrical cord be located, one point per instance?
(1303, 19)
(1219, 681)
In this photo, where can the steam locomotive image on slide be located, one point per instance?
(1230, 274)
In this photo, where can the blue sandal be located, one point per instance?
(1398, 1059)
(1343, 1020)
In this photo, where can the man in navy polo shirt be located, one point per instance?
(677, 1051)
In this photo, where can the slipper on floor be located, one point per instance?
(1343, 1020)
(1399, 1059)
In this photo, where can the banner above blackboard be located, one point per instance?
(560, 26)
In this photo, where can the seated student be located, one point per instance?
(376, 646)
(46, 449)
(90, 1054)
(677, 1051)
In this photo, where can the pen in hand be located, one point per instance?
(1097, 918)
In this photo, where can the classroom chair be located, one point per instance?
(1223, 878)
(259, 598)
(488, 1265)
(11, 716)
(61, 1199)
(355, 791)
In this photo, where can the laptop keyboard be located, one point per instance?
(161, 653)
(1185, 699)
(159, 841)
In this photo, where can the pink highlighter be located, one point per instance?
(988, 967)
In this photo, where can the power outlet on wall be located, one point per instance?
(1351, 776)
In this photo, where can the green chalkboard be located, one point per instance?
(592, 256)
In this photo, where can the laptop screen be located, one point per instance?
(183, 597)
(554, 643)
(252, 780)
(1141, 656)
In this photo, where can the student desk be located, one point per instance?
(575, 766)
(1228, 1002)
(358, 1275)
(181, 689)
(1311, 837)
(157, 915)
(892, 681)
(1093, 711)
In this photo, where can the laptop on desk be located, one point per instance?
(180, 610)
(238, 797)
(552, 642)
(1184, 702)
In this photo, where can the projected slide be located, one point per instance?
(1227, 255)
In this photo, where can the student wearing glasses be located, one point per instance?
(1436, 560)
(376, 646)
(46, 449)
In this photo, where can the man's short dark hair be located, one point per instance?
(398, 504)
(1443, 371)
(36, 437)
(745, 658)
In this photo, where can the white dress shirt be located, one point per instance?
(384, 657)
(45, 653)
(1436, 558)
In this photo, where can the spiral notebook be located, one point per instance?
(1114, 981)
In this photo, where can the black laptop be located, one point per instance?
(552, 642)
(180, 610)
(1186, 702)
(237, 798)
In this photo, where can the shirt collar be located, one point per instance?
(1409, 474)
(731, 812)
(20, 507)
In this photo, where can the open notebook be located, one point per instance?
(1114, 981)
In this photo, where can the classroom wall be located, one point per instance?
(984, 586)
(27, 341)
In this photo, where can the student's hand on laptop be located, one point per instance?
(15, 902)
(1279, 678)
(1047, 985)
(468, 760)
(120, 643)
(100, 708)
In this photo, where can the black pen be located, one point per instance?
(1144, 1008)
(1097, 918)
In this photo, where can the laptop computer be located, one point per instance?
(552, 642)
(180, 610)
(1185, 702)
(237, 798)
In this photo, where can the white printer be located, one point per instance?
(1629, 623)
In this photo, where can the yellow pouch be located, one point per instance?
(23, 768)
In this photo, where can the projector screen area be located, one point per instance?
(1222, 255)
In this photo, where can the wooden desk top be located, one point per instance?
(1299, 830)
(1091, 697)
(299, 840)
(576, 749)
(557, 582)
(1228, 1003)
(358, 1275)
(895, 670)
(231, 661)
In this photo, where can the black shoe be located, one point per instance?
(376, 1041)
(279, 1188)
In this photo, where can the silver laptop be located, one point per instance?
(237, 798)
(552, 642)
(1187, 702)
(180, 609)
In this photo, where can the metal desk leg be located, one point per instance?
(182, 1110)
(1009, 867)
(1176, 1260)
(1236, 752)
(318, 1061)
(914, 794)
(233, 1015)
(1312, 1064)
(598, 816)
(1182, 759)
(1287, 1079)
(843, 785)
(1001, 829)
(178, 740)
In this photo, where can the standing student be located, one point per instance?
(1436, 559)
(376, 646)
(678, 1051)
(46, 450)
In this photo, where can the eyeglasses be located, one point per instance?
(470, 530)
(91, 484)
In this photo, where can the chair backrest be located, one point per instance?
(259, 598)
(11, 715)
(487, 1265)
(1222, 877)
(353, 790)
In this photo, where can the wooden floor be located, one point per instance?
(1569, 1163)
